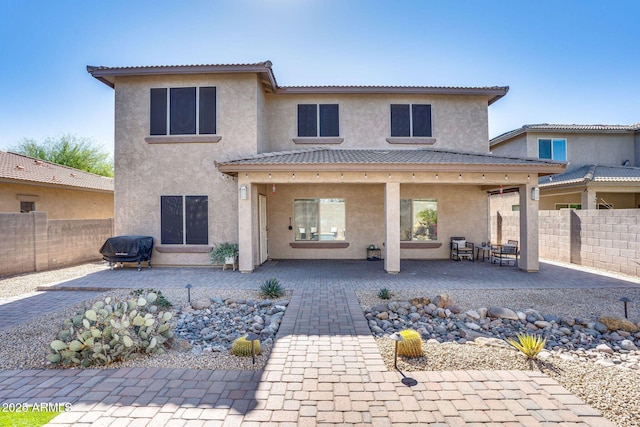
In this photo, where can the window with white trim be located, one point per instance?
(576, 206)
(411, 120)
(552, 149)
(184, 220)
(183, 111)
(319, 219)
(418, 219)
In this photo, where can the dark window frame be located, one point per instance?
(405, 121)
(184, 220)
(168, 117)
(318, 120)
(26, 207)
(551, 149)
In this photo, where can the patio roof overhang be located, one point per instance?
(411, 161)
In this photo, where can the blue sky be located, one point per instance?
(565, 61)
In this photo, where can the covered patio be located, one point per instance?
(374, 187)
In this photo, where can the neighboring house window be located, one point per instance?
(568, 206)
(184, 220)
(554, 149)
(411, 120)
(418, 219)
(319, 219)
(515, 208)
(318, 120)
(183, 111)
(26, 207)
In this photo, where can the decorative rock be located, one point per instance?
(383, 316)
(601, 327)
(542, 324)
(420, 301)
(483, 312)
(200, 305)
(618, 323)
(473, 326)
(502, 313)
(628, 345)
(443, 300)
(472, 314)
(603, 348)
(414, 317)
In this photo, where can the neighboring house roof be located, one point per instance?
(377, 159)
(592, 173)
(263, 69)
(19, 168)
(545, 127)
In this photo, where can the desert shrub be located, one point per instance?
(528, 344)
(112, 331)
(271, 288)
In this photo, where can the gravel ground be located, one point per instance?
(614, 391)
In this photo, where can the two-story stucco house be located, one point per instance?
(603, 169)
(213, 153)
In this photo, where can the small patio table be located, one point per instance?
(485, 250)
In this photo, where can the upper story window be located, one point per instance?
(318, 120)
(183, 111)
(554, 149)
(411, 120)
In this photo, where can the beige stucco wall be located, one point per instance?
(145, 172)
(462, 211)
(549, 202)
(458, 122)
(605, 149)
(515, 147)
(59, 203)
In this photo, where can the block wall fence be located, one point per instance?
(30, 242)
(607, 239)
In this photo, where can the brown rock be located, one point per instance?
(200, 305)
(618, 324)
(443, 300)
(383, 316)
(424, 301)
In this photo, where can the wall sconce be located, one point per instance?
(273, 189)
(243, 192)
(535, 193)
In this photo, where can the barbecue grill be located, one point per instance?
(121, 249)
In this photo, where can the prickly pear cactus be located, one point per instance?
(242, 347)
(111, 331)
(412, 344)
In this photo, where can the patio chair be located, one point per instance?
(505, 253)
(460, 248)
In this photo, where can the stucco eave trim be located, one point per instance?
(404, 167)
(183, 249)
(412, 141)
(189, 139)
(319, 245)
(54, 185)
(318, 140)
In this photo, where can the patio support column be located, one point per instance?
(392, 227)
(245, 227)
(589, 199)
(528, 244)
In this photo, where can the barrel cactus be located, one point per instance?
(242, 347)
(412, 344)
(111, 331)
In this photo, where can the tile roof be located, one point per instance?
(592, 173)
(107, 74)
(366, 158)
(565, 128)
(24, 168)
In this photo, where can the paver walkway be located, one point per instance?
(324, 369)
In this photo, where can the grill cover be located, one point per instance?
(127, 249)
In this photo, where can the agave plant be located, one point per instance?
(528, 344)
(271, 288)
(384, 293)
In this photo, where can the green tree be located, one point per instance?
(69, 150)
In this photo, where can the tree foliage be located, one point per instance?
(69, 150)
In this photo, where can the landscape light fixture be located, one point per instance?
(410, 382)
(188, 292)
(252, 337)
(625, 300)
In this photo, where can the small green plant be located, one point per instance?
(271, 288)
(412, 344)
(161, 301)
(224, 250)
(384, 293)
(242, 347)
(528, 344)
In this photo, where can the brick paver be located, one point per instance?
(324, 369)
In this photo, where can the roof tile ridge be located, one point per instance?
(73, 170)
(271, 154)
(589, 175)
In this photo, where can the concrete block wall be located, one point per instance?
(605, 239)
(30, 242)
